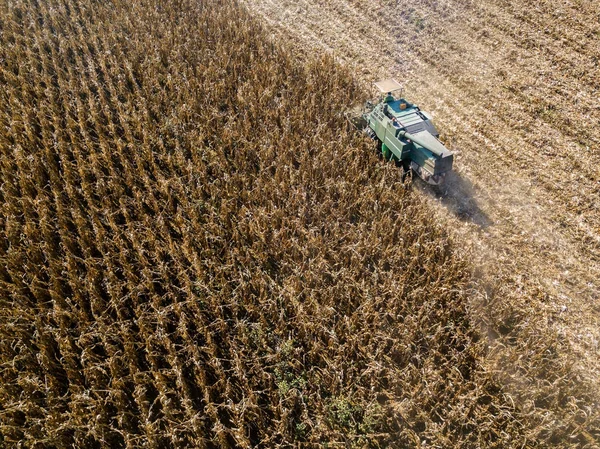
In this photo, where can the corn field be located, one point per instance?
(197, 251)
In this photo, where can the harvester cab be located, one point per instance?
(405, 134)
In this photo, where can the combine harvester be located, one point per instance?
(405, 134)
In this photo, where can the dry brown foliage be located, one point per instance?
(196, 252)
(514, 88)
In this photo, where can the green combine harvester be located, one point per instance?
(405, 134)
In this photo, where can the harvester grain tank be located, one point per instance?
(406, 134)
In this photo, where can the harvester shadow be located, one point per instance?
(457, 194)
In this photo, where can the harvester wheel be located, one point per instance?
(386, 152)
(407, 174)
(378, 148)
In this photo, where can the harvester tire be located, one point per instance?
(386, 152)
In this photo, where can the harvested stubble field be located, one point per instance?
(195, 251)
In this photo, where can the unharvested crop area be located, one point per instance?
(196, 251)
